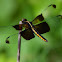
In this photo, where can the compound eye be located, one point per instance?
(24, 19)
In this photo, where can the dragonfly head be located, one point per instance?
(24, 21)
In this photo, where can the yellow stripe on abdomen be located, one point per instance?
(39, 35)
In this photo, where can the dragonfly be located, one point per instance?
(38, 26)
(31, 29)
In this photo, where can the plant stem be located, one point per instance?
(19, 42)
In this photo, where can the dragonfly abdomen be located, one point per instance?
(38, 34)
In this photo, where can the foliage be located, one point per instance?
(35, 50)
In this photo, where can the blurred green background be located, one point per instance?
(35, 50)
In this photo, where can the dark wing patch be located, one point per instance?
(38, 19)
(42, 27)
(16, 27)
(27, 34)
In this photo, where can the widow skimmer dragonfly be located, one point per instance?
(30, 29)
(37, 26)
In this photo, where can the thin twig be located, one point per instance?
(19, 42)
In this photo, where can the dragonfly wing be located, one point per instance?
(27, 34)
(38, 19)
(42, 27)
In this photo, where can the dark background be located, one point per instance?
(35, 50)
